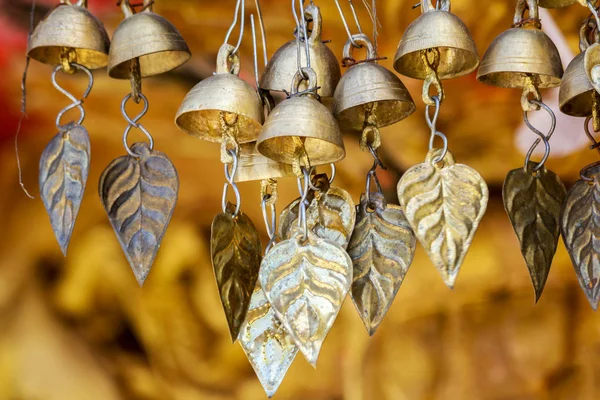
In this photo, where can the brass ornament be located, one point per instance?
(139, 193)
(306, 281)
(268, 346)
(382, 248)
(444, 203)
(533, 202)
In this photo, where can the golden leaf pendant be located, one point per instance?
(235, 250)
(580, 228)
(444, 203)
(306, 282)
(268, 346)
(533, 202)
(382, 248)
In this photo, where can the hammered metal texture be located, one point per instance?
(268, 346)
(382, 248)
(444, 205)
(235, 250)
(306, 283)
(580, 228)
(139, 194)
(64, 168)
(533, 202)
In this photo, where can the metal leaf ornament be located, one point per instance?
(268, 346)
(306, 281)
(64, 168)
(533, 201)
(236, 254)
(139, 195)
(580, 228)
(444, 203)
(382, 248)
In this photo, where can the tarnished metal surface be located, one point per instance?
(533, 202)
(268, 346)
(139, 194)
(444, 205)
(306, 282)
(382, 248)
(64, 168)
(592, 65)
(235, 250)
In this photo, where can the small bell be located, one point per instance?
(148, 37)
(282, 67)
(70, 33)
(556, 3)
(368, 88)
(436, 29)
(521, 54)
(224, 92)
(253, 166)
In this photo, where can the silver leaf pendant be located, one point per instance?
(139, 195)
(64, 168)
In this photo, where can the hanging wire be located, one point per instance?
(345, 22)
(239, 12)
(594, 11)
(542, 137)
(372, 174)
(301, 31)
(261, 23)
(134, 123)
(254, 51)
(76, 103)
(230, 173)
(432, 123)
(303, 188)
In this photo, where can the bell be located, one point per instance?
(72, 31)
(148, 37)
(436, 29)
(556, 3)
(200, 114)
(301, 125)
(253, 166)
(283, 65)
(368, 87)
(520, 54)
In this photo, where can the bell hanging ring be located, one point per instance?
(300, 127)
(436, 29)
(556, 3)
(200, 114)
(369, 90)
(253, 166)
(148, 37)
(70, 32)
(522, 54)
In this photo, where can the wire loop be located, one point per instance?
(432, 123)
(134, 123)
(542, 137)
(230, 173)
(77, 103)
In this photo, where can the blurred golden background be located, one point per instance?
(80, 328)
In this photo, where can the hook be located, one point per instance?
(542, 137)
(239, 13)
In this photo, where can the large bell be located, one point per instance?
(253, 166)
(70, 31)
(368, 88)
(301, 125)
(200, 114)
(148, 37)
(556, 3)
(436, 28)
(283, 65)
(520, 54)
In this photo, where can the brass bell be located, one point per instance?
(71, 31)
(253, 166)
(556, 3)
(283, 65)
(148, 37)
(367, 88)
(200, 114)
(301, 126)
(436, 29)
(522, 54)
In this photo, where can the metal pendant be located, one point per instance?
(235, 250)
(382, 248)
(64, 168)
(580, 228)
(306, 282)
(444, 203)
(268, 346)
(330, 215)
(139, 194)
(533, 201)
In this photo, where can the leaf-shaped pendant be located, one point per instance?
(235, 250)
(268, 346)
(444, 203)
(533, 201)
(64, 168)
(139, 195)
(306, 282)
(382, 248)
(580, 228)
(331, 213)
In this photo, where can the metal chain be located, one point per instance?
(230, 173)
(542, 137)
(229, 127)
(268, 190)
(134, 123)
(301, 31)
(531, 87)
(432, 78)
(372, 174)
(432, 123)
(77, 103)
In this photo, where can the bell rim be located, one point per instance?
(340, 153)
(407, 109)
